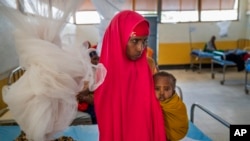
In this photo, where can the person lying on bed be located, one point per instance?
(174, 110)
(232, 55)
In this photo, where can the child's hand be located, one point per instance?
(84, 92)
(82, 98)
(85, 98)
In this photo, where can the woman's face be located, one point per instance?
(135, 46)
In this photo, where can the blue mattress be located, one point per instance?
(247, 68)
(90, 133)
(202, 54)
(218, 60)
(247, 65)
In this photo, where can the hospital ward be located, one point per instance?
(124, 70)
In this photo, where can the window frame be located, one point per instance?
(200, 12)
(158, 9)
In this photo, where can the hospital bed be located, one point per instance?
(90, 132)
(219, 58)
(198, 55)
(80, 131)
(245, 44)
(6, 117)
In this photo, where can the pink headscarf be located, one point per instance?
(125, 104)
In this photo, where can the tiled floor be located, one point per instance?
(228, 101)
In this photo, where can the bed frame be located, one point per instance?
(5, 115)
(197, 55)
(216, 117)
(220, 59)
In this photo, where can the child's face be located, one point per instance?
(163, 88)
(95, 60)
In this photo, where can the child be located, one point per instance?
(86, 97)
(174, 110)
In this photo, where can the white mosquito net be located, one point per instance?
(43, 100)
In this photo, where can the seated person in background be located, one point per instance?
(210, 45)
(86, 98)
(174, 110)
(238, 58)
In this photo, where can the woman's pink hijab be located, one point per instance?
(125, 104)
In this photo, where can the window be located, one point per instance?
(168, 11)
(12, 4)
(179, 11)
(145, 7)
(219, 10)
(86, 14)
(87, 17)
(198, 10)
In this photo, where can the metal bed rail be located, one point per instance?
(179, 92)
(3, 111)
(194, 57)
(220, 59)
(216, 117)
(15, 74)
(197, 55)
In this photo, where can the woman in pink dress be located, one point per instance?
(125, 104)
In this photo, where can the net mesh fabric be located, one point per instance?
(43, 100)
